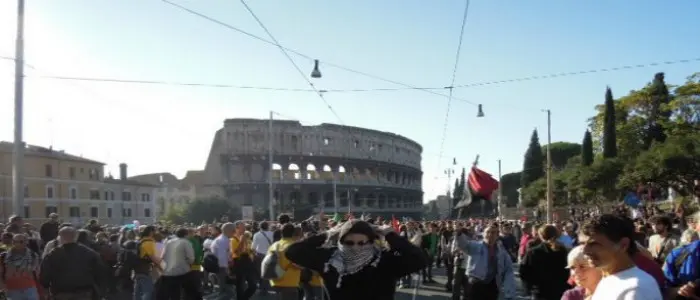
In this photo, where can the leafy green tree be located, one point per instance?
(598, 182)
(534, 192)
(674, 163)
(561, 153)
(587, 149)
(659, 113)
(609, 129)
(533, 164)
(510, 183)
(204, 210)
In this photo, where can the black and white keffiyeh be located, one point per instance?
(350, 260)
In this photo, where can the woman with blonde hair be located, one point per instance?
(544, 266)
(584, 275)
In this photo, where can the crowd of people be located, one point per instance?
(602, 256)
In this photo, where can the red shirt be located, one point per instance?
(651, 267)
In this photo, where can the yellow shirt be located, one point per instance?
(244, 250)
(292, 274)
(315, 280)
(148, 248)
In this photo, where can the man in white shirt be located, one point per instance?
(261, 243)
(178, 256)
(609, 242)
(221, 248)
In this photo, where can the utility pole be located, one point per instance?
(335, 194)
(270, 186)
(500, 191)
(18, 153)
(549, 166)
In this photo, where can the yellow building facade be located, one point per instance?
(73, 187)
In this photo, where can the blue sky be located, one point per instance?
(170, 128)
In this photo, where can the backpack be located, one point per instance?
(210, 263)
(271, 269)
(128, 259)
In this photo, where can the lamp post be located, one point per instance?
(270, 187)
(18, 153)
(549, 165)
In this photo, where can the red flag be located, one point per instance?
(395, 223)
(482, 183)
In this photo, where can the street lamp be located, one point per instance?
(480, 113)
(316, 73)
(549, 165)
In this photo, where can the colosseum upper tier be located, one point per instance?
(371, 171)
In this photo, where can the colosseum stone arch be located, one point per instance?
(373, 172)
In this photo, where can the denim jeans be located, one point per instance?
(226, 291)
(23, 294)
(143, 287)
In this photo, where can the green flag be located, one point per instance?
(337, 217)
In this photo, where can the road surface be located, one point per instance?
(434, 291)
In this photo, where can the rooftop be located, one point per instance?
(39, 151)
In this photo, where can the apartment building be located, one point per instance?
(73, 187)
(173, 192)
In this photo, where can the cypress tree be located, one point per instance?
(659, 97)
(456, 191)
(533, 163)
(609, 129)
(587, 149)
(462, 181)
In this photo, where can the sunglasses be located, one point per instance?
(353, 243)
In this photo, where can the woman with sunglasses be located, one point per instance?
(357, 268)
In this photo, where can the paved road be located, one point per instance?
(434, 291)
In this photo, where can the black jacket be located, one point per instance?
(70, 268)
(369, 283)
(544, 269)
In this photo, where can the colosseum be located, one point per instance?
(371, 171)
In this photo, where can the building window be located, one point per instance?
(356, 144)
(147, 212)
(126, 196)
(145, 197)
(109, 212)
(111, 195)
(27, 211)
(71, 172)
(74, 212)
(73, 193)
(49, 192)
(94, 195)
(295, 142)
(48, 171)
(128, 212)
(50, 210)
(326, 141)
(106, 195)
(26, 191)
(91, 174)
(94, 212)
(123, 212)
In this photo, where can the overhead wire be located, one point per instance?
(454, 76)
(291, 60)
(282, 89)
(289, 50)
(372, 147)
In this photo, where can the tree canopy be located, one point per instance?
(648, 139)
